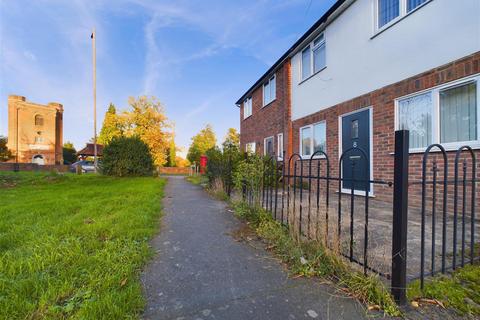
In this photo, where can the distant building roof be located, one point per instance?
(88, 150)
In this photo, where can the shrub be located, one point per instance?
(221, 165)
(127, 156)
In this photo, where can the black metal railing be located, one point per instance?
(307, 193)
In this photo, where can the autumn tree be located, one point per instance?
(5, 153)
(69, 153)
(171, 154)
(112, 126)
(232, 139)
(148, 121)
(201, 142)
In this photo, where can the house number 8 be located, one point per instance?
(355, 144)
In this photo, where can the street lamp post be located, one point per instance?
(93, 37)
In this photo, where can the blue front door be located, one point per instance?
(356, 134)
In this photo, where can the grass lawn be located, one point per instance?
(460, 290)
(73, 246)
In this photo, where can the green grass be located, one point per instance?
(198, 179)
(313, 259)
(460, 290)
(73, 246)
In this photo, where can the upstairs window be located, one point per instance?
(38, 120)
(412, 4)
(447, 114)
(269, 91)
(247, 108)
(390, 10)
(314, 57)
(387, 11)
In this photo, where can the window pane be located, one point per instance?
(306, 141)
(318, 40)
(306, 68)
(319, 60)
(415, 114)
(458, 113)
(266, 94)
(280, 146)
(268, 146)
(354, 129)
(319, 137)
(273, 87)
(387, 11)
(412, 4)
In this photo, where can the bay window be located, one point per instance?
(447, 114)
(313, 138)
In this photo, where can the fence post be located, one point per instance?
(400, 213)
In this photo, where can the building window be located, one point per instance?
(390, 10)
(250, 148)
(268, 146)
(313, 138)
(38, 120)
(412, 4)
(269, 91)
(247, 108)
(38, 139)
(314, 57)
(280, 146)
(387, 11)
(447, 114)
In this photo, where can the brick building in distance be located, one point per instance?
(35, 131)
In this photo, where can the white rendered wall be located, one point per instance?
(437, 33)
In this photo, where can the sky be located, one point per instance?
(197, 57)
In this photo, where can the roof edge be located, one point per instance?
(286, 55)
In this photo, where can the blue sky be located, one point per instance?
(198, 57)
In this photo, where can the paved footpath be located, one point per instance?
(201, 272)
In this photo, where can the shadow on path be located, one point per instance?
(201, 272)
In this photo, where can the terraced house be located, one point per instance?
(365, 69)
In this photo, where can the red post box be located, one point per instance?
(203, 164)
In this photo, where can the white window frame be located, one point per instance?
(247, 108)
(253, 145)
(435, 92)
(280, 146)
(311, 126)
(265, 144)
(311, 47)
(269, 85)
(401, 14)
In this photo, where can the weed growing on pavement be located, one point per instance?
(312, 258)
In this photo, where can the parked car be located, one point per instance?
(87, 166)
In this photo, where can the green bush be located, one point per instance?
(221, 165)
(127, 156)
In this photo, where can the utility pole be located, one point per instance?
(93, 37)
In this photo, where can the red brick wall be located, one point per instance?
(272, 119)
(382, 103)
